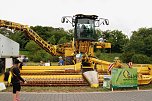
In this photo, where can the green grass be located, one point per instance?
(145, 87)
(59, 89)
(109, 56)
(24, 53)
(30, 63)
(74, 89)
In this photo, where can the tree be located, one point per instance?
(38, 53)
(6, 32)
(117, 39)
(99, 34)
(43, 32)
(140, 42)
(17, 36)
(52, 40)
(62, 40)
(140, 45)
(20, 38)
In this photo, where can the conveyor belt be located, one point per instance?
(43, 80)
(56, 80)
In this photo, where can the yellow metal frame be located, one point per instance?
(86, 47)
(1, 77)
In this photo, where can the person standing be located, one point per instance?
(2, 67)
(41, 63)
(25, 59)
(78, 57)
(15, 80)
(61, 62)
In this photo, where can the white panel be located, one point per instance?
(8, 62)
(8, 47)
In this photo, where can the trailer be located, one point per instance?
(8, 50)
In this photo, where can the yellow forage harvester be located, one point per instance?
(80, 67)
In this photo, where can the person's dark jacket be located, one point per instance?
(1, 66)
(16, 75)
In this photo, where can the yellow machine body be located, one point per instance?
(70, 74)
(1, 77)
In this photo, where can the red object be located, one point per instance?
(110, 67)
(130, 64)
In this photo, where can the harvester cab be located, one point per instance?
(85, 34)
(84, 26)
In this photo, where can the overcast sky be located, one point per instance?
(124, 15)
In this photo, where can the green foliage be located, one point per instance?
(62, 40)
(99, 34)
(32, 46)
(20, 38)
(24, 53)
(140, 42)
(5, 32)
(44, 32)
(98, 53)
(140, 58)
(49, 34)
(52, 40)
(127, 56)
(138, 49)
(53, 35)
(117, 39)
(38, 54)
(17, 36)
(107, 56)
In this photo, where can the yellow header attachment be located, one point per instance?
(102, 45)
